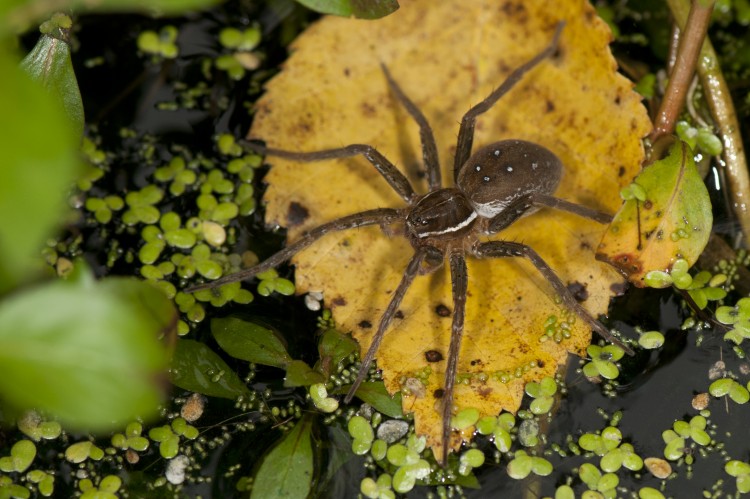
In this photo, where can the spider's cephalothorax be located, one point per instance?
(495, 186)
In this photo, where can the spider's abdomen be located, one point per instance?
(443, 213)
(497, 174)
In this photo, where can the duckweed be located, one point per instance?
(81, 451)
(603, 361)
(161, 44)
(728, 386)
(44, 481)
(741, 471)
(22, 453)
(523, 465)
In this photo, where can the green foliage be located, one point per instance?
(363, 9)
(375, 394)
(287, 471)
(37, 143)
(92, 356)
(197, 368)
(250, 341)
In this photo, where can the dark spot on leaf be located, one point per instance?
(399, 314)
(339, 301)
(540, 363)
(618, 100)
(347, 72)
(476, 362)
(368, 110)
(433, 356)
(647, 204)
(550, 106)
(365, 324)
(658, 213)
(297, 214)
(648, 234)
(438, 394)
(621, 171)
(443, 311)
(579, 291)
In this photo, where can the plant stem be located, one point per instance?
(722, 110)
(693, 34)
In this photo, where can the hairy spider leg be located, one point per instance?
(412, 270)
(429, 148)
(466, 131)
(388, 170)
(499, 249)
(379, 216)
(459, 287)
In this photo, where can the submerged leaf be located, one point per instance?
(375, 394)
(287, 470)
(197, 368)
(251, 342)
(448, 56)
(672, 222)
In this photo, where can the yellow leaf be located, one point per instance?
(448, 56)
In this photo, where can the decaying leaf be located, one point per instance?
(448, 56)
(667, 217)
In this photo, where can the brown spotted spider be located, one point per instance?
(494, 187)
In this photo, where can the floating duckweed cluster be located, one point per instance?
(241, 44)
(161, 44)
(557, 330)
(603, 361)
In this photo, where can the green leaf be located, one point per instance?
(287, 470)
(85, 351)
(22, 13)
(298, 373)
(195, 367)
(40, 162)
(362, 9)
(674, 222)
(251, 342)
(375, 394)
(333, 348)
(49, 63)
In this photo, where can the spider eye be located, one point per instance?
(486, 179)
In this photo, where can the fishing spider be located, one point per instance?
(495, 186)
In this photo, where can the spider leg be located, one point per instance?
(466, 131)
(459, 281)
(388, 170)
(382, 216)
(495, 249)
(412, 270)
(516, 208)
(575, 208)
(429, 148)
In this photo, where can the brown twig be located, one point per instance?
(723, 113)
(693, 34)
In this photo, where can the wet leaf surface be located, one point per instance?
(447, 57)
(197, 368)
(668, 218)
(251, 342)
(287, 470)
